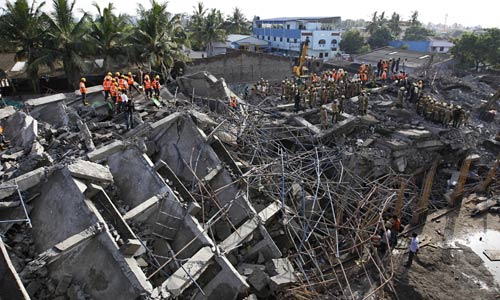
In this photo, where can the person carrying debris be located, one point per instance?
(156, 86)
(413, 249)
(324, 117)
(83, 91)
(106, 85)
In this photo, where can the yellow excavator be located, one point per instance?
(300, 69)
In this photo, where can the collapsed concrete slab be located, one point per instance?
(90, 171)
(204, 85)
(103, 152)
(20, 129)
(51, 99)
(24, 182)
(62, 213)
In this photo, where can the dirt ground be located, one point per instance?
(446, 268)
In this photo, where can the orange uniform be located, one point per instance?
(130, 80)
(107, 83)
(113, 90)
(83, 89)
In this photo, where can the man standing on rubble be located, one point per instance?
(129, 113)
(363, 103)
(83, 91)
(106, 84)
(335, 111)
(297, 101)
(413, 249)
(399, 99)
(324, 117)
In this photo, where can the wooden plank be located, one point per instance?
(493, 255)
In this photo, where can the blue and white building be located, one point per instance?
(285, 35)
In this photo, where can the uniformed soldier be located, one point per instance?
(448, 115)
(341, 104)
(312, 97)
(324, 95)
(421, 105)
(456, 116)
(324, 117)
(363, 103)
(399, 99)
(335, 111)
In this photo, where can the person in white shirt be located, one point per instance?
(413, 249)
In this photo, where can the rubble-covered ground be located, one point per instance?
(200, 201)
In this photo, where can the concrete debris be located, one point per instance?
(201, 200)
(90, 171)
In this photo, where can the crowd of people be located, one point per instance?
(119, 91)
(335, 86)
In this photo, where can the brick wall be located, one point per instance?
(244, 66)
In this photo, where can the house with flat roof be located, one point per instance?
(285, 35)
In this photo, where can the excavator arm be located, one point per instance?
(298, 70)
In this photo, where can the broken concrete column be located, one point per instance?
(21, 130)
(90, 171)
(87, 136)
(105, 151)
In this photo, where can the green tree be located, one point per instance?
(196, 26)
(380, 37)
(213, 30)
(373, 24)
(109, 34)
(159, 37)
(68, 39)
(394, 26)
(473, 50)
(414, 19)
(22, 29)
(237, 23)
(416, 33)
(351, 42)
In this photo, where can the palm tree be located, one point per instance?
(160, 37)
(237, 23)
(68, 39)
(23, 27)
(196, 25)
(373, 24)
(213, 30)
(414, 19)
(394, 25)
(109, 33)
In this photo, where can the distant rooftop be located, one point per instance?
(324, 19)
(414, 59)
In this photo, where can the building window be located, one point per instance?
(334, 48)
(321, 55)
(287, 26)
(281, 39)
(441, 49)
(274, 38)
(334, 42)
(288, 40)
(322, 43)
(268, 38)
(434, 49)
(295, 40)
(326, 54)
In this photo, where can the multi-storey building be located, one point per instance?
(286, 34)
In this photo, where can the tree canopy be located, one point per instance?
(474, 50)
(352, 42)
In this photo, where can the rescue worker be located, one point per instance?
(130, 82)
(2, 139)
(117, 76)
(324, 117)
(119, 101)
(399, 99)
(361, 103)
(114, 93)
(341, 104)
(383, 77)
(297, 102)
(83, 91)
(140, 76)
(456, 116)
(312, 98)
(448, 115)
(147, 86)
(156, 86)
(106, 84)
(233, 102)
(129, 113)
(335, 111)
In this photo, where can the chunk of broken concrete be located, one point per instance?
(91, 171)
(105, 151)
(21, 130)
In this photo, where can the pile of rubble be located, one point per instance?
(200, 201)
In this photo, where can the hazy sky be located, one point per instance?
(478, 12)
